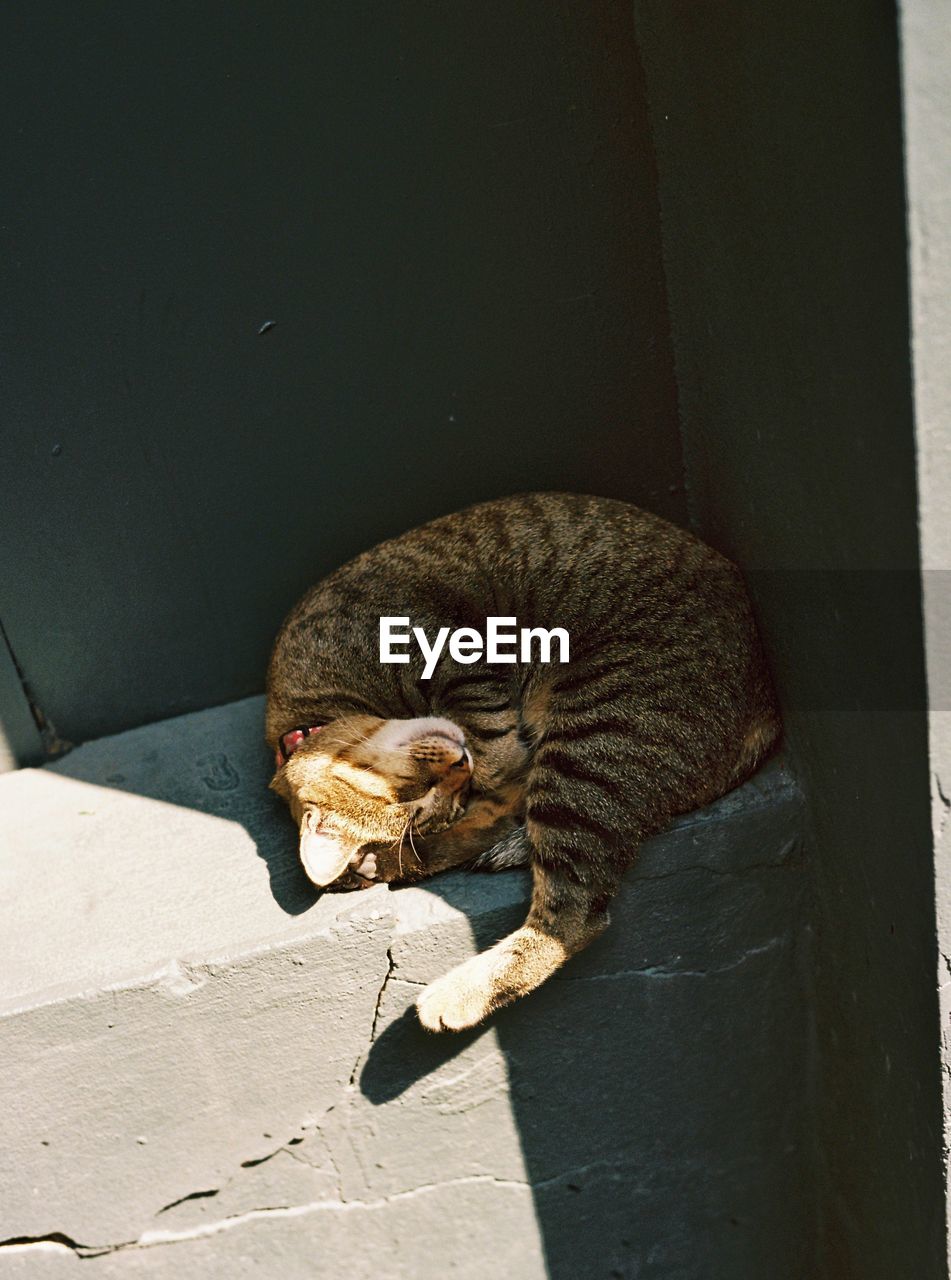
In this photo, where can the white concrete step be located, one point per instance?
(205, 1063)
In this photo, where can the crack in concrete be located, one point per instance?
(192, 1195)
(286, 1148)
(364, 1050)
(649, 971)
(658, 971)
(253, 1164)
(154, 1238)
(50, 741)
(787, 864)
(328, 1147)
(379, 999)
(312, 1124)
(300, 1158)
(59, 1239)
(56, 1238)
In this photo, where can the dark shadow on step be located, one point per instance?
(659, 1083)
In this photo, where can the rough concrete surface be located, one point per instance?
(210, 1070)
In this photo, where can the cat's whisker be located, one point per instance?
(399, 852)
(359, 740)
(412, 845)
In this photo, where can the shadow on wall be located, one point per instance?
(658, 1085)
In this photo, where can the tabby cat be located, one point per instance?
(664, 705)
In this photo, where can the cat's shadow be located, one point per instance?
(276, 844)
(404, 1052)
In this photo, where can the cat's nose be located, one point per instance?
(455, 769)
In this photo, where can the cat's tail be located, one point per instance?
(513, 850)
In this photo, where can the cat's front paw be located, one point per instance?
(362, 873)
(365, 863)
(460, 999)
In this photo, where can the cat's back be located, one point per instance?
(550, 559)
(558, 538)
(577, 556)
(523, 527)
(635, 593)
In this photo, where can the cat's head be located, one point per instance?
(362, 780)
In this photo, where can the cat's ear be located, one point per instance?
(323, 855)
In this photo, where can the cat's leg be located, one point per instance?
(568, 911)
(590, 802)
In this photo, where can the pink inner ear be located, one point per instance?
(290, 741)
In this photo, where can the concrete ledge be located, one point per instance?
(208, 1065)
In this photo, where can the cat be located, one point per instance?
(665, 704)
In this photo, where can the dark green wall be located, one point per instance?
(448, 212)
(781, 179)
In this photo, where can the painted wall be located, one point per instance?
(778, 131)
(926, 70)
(448, 216)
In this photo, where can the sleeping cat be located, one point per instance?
(664, 705)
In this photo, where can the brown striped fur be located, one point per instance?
(665, 705)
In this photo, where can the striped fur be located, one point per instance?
(665, 705)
